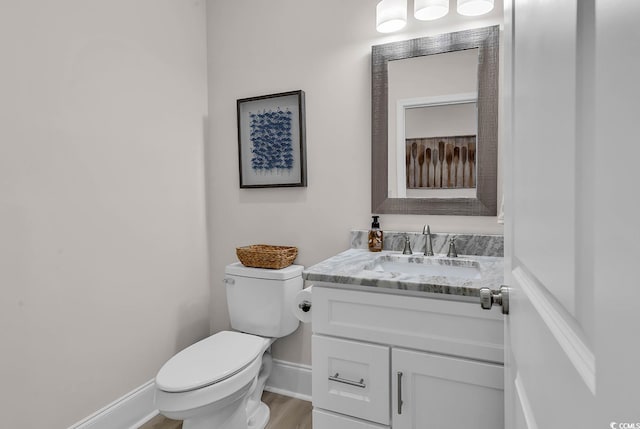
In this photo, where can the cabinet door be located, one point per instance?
(435, 392)
(350, 377)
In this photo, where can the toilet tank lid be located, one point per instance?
(237, 269)
(208, 361)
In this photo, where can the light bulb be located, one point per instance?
(391, 15)
(474, 7)
(428, 10)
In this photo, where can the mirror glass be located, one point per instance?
(435, 124)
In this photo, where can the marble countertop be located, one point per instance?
(359, 268)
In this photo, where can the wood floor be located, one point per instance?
(286, 413)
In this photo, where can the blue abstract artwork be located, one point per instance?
(270, 135)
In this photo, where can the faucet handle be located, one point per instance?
(453, 253)
(407, 246)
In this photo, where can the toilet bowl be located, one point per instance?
(217, 383)
(209, 383)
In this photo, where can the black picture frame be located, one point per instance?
(272, 141)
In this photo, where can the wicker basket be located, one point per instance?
(266, 256)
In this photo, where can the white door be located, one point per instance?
(572, 97)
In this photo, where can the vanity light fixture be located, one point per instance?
(391, 15)
(474, 7)
(428, 10)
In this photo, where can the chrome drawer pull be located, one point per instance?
(337, 378)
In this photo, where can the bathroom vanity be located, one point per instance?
(401, 342)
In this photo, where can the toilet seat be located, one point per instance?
(210, 361)
(181, 405)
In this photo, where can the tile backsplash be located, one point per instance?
(466, 244)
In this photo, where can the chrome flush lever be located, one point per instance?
(305, 306)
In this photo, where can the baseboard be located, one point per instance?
(136, 407)
(130, 411)
(290, 379)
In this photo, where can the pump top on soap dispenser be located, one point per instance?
(375, 236)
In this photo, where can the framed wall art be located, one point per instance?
(271, 141)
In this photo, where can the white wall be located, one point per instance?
(323, 48)
(103, 265)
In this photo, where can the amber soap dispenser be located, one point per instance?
(375, 236)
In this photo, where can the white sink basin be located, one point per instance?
(426, 266)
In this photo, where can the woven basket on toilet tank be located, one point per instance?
(267, 256)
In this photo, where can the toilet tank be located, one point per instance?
(260, 300)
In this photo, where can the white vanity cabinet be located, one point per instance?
(384, 360)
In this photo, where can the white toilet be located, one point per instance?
(217, 383)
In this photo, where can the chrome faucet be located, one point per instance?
(428, 245)
(407, 246)
(453, 253)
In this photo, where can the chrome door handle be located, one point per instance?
(489, 298)
(337, 379)
(399, 392)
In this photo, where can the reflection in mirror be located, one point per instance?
(434, 97)
(438, 152)
(434, 140)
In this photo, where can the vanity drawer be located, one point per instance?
(435, 325)
(351, 378)
(326, 420)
